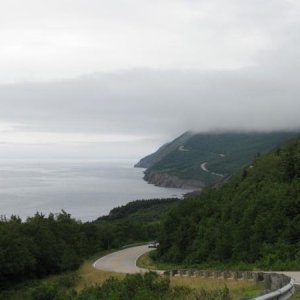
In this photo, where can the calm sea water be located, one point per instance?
(86, 190)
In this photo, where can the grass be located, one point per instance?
(90, 276)
(237, 289)
(296, 296)
(146, 262)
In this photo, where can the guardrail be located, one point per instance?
(281, 294)
(277, 286)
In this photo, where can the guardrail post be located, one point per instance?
(286, 280)
(250, 276)
(235, 275)
(258, 276)
(225, 275)
(197, 273)
(276, 281)
(245, 275)
(267, 281)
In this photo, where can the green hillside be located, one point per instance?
(140, 211)
(163, 151)
(253, 219)
(210, 158)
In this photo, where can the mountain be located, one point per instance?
(163, 151)
(254, 219)
(205, 159)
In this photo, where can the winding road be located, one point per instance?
(204, 168)
(124, 261)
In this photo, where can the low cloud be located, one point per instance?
(180, 65)
(156, 103)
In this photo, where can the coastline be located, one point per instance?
(171, 181)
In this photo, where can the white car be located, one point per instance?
(153, 244)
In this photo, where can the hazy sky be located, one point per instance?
(115, 79)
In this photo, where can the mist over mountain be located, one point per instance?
(96, 75)
(139, 110)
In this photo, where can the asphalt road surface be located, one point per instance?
(123, 261)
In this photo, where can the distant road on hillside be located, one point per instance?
(204, 168)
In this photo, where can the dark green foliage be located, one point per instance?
(146, 210)
(253, 219)
(135, 221)
(141, 210)
(41, 246)
(149, 286)
(54, 244)
(58, 289)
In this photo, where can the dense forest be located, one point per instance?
(254, 219)
(44, 245)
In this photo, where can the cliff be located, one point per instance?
(167, 180)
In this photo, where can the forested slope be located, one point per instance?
(253, 219)
(204, 159)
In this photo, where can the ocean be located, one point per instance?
(85, 189)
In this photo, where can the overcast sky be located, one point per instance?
(115, 79)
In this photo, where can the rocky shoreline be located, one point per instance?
(166, 180)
